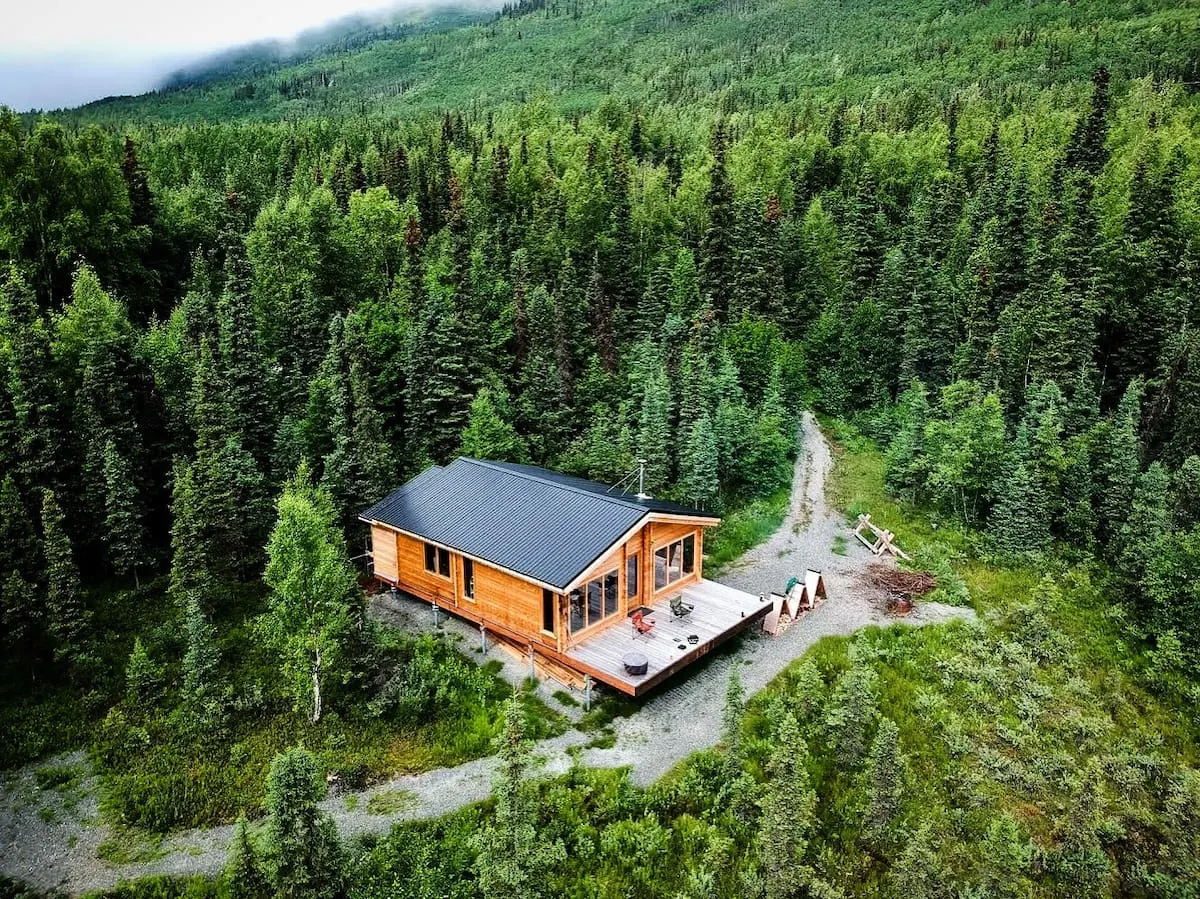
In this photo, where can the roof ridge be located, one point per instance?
(607, 497)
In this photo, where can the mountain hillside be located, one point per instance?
(731, 55)
(591, 237)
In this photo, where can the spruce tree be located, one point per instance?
(654, 429)
(200, 659)
(124, 528)
(512, 857)
(305, 856)
(1118, 463)
(699, 480)
(68, 619)
(717, 247)
(30, 379)
(850, 715)
(1146, 523)
(143, 678)
(244, 874)
(488, 434)
(244, 379)
(885, 784)
(788, 815)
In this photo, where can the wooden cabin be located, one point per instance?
(560, 567)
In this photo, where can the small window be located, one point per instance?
(578, 611)
(611, 593)
(689, 553)
(631, 577)
(437, 560)
(660, 568)
(547, 610)
(468, 578)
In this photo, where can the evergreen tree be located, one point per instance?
(244, 872)
(1118, 463)
(716, 247)
(699, 480)
(788, 814)
(885, 783)
(1147, 522)
(654, 429)
(143, 678)
(68, 620)
(302, 842)
(200, 660)
(1020, 521)
(512, 858)
(489, 435)
(851, 714)
(1086, 149)
(124, 530)
(244, 380)
(29, 377)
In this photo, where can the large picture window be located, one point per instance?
(631, 577)
(437, 560)
(594, 601)
(674, 561)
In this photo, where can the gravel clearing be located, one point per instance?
(58, 848)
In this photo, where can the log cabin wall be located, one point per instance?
(512, 604)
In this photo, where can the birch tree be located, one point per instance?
(311, 583)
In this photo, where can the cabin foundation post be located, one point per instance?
(483, 639)
(587, 692)
(437, 622)
(532, 668)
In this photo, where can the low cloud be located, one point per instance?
(63, 53)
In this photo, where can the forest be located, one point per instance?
(236, 312)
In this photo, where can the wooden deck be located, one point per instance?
(718, 613)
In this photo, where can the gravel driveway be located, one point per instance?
(57, 848)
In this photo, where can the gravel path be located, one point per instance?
(58, 847)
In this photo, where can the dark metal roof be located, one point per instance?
(646, 502)
(544, 525)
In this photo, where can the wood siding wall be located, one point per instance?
(513, 605)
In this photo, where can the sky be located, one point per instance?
(57, 53)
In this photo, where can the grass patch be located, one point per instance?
(391, 802)
(58, 777)
(566, 699)
(839, 545)
(744, 528)
(605, 739)
(352, 802)
(604, 711)
(131, 847)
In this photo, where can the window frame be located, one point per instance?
(439, 558)
(549, 611)
(674, 561)
(590, 601)
(468, 578)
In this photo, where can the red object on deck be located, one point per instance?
(641, 624)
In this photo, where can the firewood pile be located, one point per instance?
(898, 590)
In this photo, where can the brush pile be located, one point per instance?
(898, 590)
